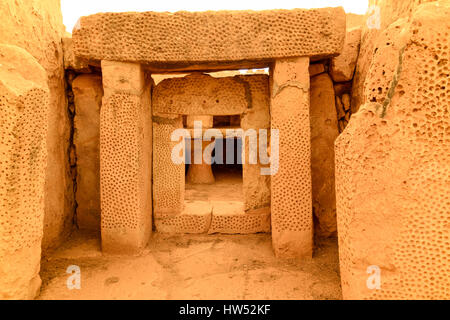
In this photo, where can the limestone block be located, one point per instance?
(168, 177)
(200, 94)
(343, 66)
(392, 173)
(227, 36)
(324, 131)
(316, 68)
(256, 187)
(24, 107)
(70, 61)
(125, 157)
(194, 219)
(291, 202)
(342, 88)
(37, 27)
(257, 115)
(390, 11)
(228, 217)
(88, 94)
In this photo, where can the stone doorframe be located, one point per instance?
(130, 46)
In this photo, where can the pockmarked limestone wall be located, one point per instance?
(88, 94)
(160, 39)
(37, 27)
(125, 158)
(24, 109)
(393, 167)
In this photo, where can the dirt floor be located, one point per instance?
(191, 267)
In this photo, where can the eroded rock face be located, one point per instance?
(88, 93)
(324, 131)
(37, 27)
(24, 106)
(393, 169)
(389, 12)
(342, 67)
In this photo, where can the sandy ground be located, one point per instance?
(191, 267)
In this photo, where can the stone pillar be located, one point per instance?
(168, 176)
(88, 93)
(200, 173)
(125, 158)
(291, 203)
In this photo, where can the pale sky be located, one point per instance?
(73, 9)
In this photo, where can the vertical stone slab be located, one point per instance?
(88, 93)
(324, 131)
(125, 158)
(291, 202)
(24, 106)
(168, 177)
(256, 187)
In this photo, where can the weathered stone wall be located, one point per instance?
(24, 108)
(392, 161)
(36, 26)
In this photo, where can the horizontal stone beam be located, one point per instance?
(175, 39)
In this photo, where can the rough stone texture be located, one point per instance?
(392, 172)
(228, 217)
(201, 94)
(222, 36)
(316, 68)
(342, 67)
(24, 106)
(355, 20)
(256, 187)
(88, 93)
(390, 12)
(168, 177)
(291, 202)
(70, 61)
(194, 219)
(324, 131)
(37, 27)
(125, 155)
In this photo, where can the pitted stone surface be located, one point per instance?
(187, 37)
(24, 106)
(393, 172)
(201, 94)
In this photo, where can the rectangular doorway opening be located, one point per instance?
(226, 181)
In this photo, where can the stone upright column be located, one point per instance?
(200, 173)
(291, 204)
(125, 158)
